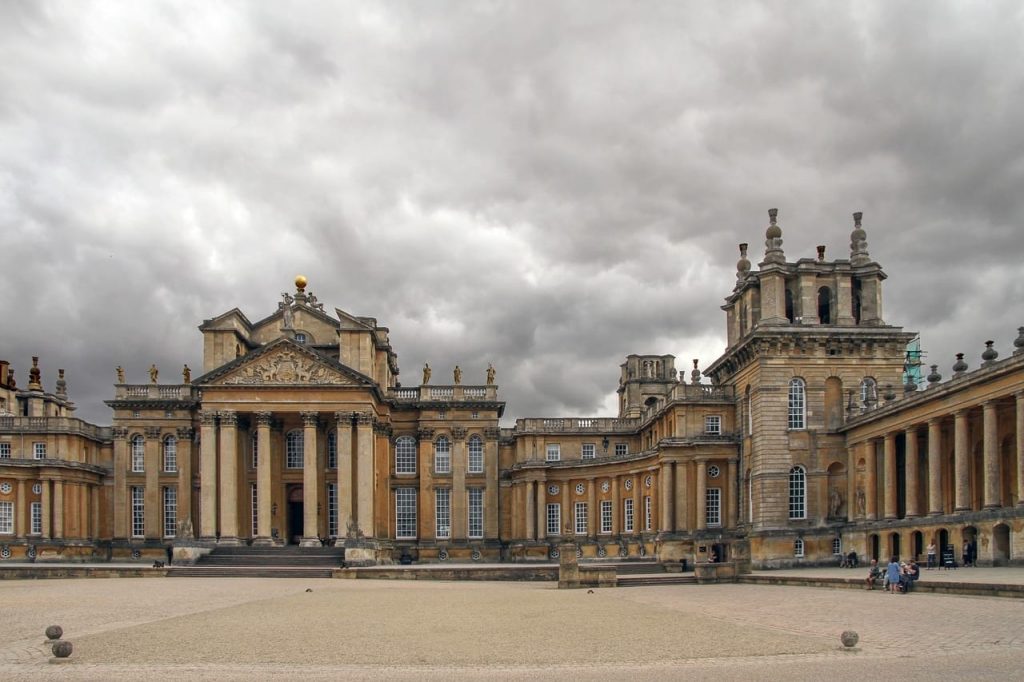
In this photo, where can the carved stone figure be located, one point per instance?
(835, 501)
(457, 374)
(426, 373)
(120, 374)
(288, 317)
(861, 501)
(186, 375)
(490, 374)
(154, 373)
(285, 367)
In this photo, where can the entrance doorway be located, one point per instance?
(874, 546)
(296, 514)
(894, 544)
(1001, 545)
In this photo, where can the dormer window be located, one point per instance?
(300, 338)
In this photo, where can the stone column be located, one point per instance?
(592, 510)
(120, 529)
(1020, 448)
(58, 509)
(228, 442)
(184, 445)
(459, 503)
(702, 493)
(990, 437)
(665, 499)
(21, 511)
(617, 512)
(960, 458)
(531, 511)
(491, 506)
(913, 504)
(208, 474)
(871, 484)
(935, 506)
(264, 485)
(83, 511)
(46, 499)
(310, 481)
(343, 437)
(731, 508)
(682, 495)
(889, 475)
(151, 498)
(364, 473)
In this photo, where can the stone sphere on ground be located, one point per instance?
(54, 632)
(849, 638)
(62, 649)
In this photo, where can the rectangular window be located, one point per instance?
(554, 452)
(294, 449)
(647, 512)
(39, 450)
(405, 513)
(138, 455)
(36, 509)
(581, 518)
(405, 455)
(332, 450)
(171, 455)
(332, 510)
(589, 451)
(442, 456)
(713, 507)
(627, 515)
(476, 512)
(443, 512)
(254, 505)
(476, 455)
(837, 546)
(138, 512)
(713, 425)
(5, 450)
(7, 518)
(621, 449)
(554, 518)
(170, 512)
(606, 516)
(255, 450)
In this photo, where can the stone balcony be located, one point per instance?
(70, 425)
(455, 393)
(703, 393)
(576, 425)
(153, 392)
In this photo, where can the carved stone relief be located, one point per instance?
(286, 367)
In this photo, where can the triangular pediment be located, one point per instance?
(284, 363)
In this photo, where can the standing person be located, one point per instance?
(892, 573)
(931, 555)
(967, 553)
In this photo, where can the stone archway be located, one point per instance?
(295, 514)
(1000, 545)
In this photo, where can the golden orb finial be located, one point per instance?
(300, 283)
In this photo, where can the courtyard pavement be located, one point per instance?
(241, 629)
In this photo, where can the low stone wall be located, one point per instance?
(37, 572)
(454, 572)
(922, 586)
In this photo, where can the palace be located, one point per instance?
(807, 439)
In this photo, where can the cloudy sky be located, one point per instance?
(544, 186)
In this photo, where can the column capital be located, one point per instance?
(382, 428)
(207, 417)
(425, 433)
(228, 418)
(990, 404)
(310, 417)
(344, 417)
(934, 421)
(152, 433)
(119, 433)
(492, 433)
(458, 433)
(364, 418)
(185, 432)
(264, 418)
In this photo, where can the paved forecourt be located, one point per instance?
(275, 628)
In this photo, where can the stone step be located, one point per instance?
(656, 579)
(287, 550)
(247, 572)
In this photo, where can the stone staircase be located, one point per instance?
(636, 573)
(264, 562)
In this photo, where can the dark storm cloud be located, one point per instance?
(544, 187)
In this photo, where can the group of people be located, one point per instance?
(897, 577)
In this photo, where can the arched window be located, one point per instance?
(837, 546)
(797, 404)
(476, 455)
(797, 493)
(170, 454)
(294, 444)
(798, 548)
(825, 305)
(442, 455)
(332, 450)
(868, 392)
(405, 455)
(300, 337)
(138, 453)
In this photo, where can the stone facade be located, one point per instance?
(800, 443)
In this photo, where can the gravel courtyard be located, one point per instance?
(149, 628)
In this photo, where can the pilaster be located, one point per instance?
(343, 437)
(458, 499)
(364, 473)
(208, 474)
(151, 500)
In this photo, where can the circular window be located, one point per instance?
(5, 487)
(629, 484)
(552, 489)
(136, 554)
(37, 488)
(5, 552)
(580, 488)
(606, 486)
(475, 556)
(553, 553)
(442, 555)
(602, 552)
(648, 481)
(713, 471)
